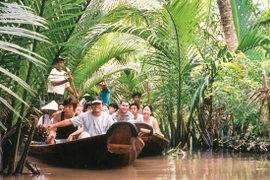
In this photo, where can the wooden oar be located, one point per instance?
(147, 91)
(72, 82)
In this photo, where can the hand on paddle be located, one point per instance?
(76, 95)
(71, 81)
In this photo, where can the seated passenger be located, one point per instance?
(113, 107)
(123, 113)
(62, 134)
(48, 111)
(134, 109)
(60, 107)
(79, 109)
(87, 107)
(148, 118)
(94, 122)
(105, 108)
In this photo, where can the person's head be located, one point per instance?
(87, 107)
(87, 97)
(136, 96)
(79, 109)
(50, 108)
(113, 107)
(59, 62)
(96, 105)
(60, 107)
(134, 108)
(70, 104)
(123, 106)
(147, 110)
(105, 108)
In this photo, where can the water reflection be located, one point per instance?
(193, 165)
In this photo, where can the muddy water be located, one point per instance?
(207, 165)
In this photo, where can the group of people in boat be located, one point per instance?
(73, 119)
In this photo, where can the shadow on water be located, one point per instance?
(192, 165)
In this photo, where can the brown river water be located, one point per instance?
(207, 165)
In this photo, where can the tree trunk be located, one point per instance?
(225, 11)
(1, 154)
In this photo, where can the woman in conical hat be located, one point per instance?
(48, 110)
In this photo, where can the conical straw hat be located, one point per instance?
(50, 106)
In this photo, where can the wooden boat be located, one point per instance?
(120, 146)
(155, 143)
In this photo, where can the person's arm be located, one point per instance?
(58, 83)
(52, 128)
(156, 126)
(69, 89)
(63, 123)
(77, 132)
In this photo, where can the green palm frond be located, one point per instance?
(251, 40)
(13, 13)
(15, 19)
(109, 69)
(248, 28)
(98, 56)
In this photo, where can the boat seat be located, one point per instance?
(145, 126)
(119, 148)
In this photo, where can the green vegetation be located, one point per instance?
(201, 92)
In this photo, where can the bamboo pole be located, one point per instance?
(147, 91)
(72, 82)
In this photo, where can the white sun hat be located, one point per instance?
(50, 106)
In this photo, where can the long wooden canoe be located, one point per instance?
(120, 146)
(155, 144)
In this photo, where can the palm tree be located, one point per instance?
(228, 23)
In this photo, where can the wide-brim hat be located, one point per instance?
(51, 106)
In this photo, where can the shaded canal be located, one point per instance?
(193, 165)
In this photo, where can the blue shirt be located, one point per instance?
(105, 96)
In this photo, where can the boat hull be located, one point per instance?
(110, 150)
(155, 144)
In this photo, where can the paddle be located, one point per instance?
(147, 91)
(72, 81)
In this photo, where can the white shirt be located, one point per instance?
(47, 120)
(56, 75)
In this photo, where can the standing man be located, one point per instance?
(58, 82)
(123, 113)
(94, 122)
